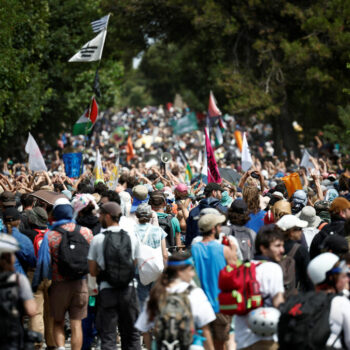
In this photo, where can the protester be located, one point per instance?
(176, 279)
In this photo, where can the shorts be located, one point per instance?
(220, 328)
(71, 296)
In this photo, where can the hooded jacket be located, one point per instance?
(192, 229)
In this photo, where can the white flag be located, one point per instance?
(92, 50)
(100, 24)
(306, 162)
(246, 157)
(36, 160)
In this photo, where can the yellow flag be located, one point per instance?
(98, 170)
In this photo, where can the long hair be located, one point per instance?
(158, 292)
(251, 197)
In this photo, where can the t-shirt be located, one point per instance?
(256, 221)
(155, 234)
(96, 249)
(339, 320)
(270, 277)
(55, 238)
(202, 311)
(25, 290)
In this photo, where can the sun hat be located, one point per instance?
(38, 217)
(8, 244)
(308, 214)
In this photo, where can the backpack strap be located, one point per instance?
(62, 231)
(293, 251)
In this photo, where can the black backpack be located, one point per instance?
(245, 241)
(304, 321)
(165, 224)
(119, 266)
(11, 331)
(72, 254)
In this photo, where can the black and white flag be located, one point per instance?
(100, 24)
(92, 50)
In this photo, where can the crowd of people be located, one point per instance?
(155, 258)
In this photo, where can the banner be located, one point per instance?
(246, 158)
(72, 163)
(113, 178)
(98, 170)
(185, 124)
(213, 170)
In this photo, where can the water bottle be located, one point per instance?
(198, 340)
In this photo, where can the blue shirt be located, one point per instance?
(256, 221)
(25, 257)
(209, 260)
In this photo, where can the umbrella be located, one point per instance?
(229, 174)
(49, 197)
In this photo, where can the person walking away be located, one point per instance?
(16, 297)
(210, 258)
(269, 251)
(112, 259)
(153, 236)
(175, 281)
(69, 246)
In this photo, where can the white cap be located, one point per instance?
(289, 221)
(319, 266)
(61, 201)
(8, 244)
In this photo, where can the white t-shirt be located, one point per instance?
(96, 247)
(339, 320)
(270, 277)
(202, 311)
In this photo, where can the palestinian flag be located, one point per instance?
(85, 123)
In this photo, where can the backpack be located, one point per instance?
(174, 326)
(119, 265)
(11, 331)
(150, 261)
(72, 254)
(240, 290)
(165, 224)
(304, 321)
(245, 241)
(288, 268)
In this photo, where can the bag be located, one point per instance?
(119, 265)
(288, 268)
(11, 331)
(38, 239)
(174, 326)
(240, 290)
(72, 254)
(165, 224)
(304, 321)
(150, 262)
(245, 241)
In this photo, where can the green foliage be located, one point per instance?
(340, 134)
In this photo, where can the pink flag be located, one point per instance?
(213, 171)
(213, 109)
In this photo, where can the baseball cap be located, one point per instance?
(111, 208)
(11, 214)
(208, 221)
(239, 206)
(336, 244)
(212, 186)
(8, 199)
(289, 221)
(8, 244)
(339, 204)
(144, 209)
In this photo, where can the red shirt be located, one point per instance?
(54, 243)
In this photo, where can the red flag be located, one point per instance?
(130, 154)
(93, 111)
(213, 109)
(213, 170)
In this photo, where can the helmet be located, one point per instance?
(319, 266)
(8, 244)
(264, 320)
